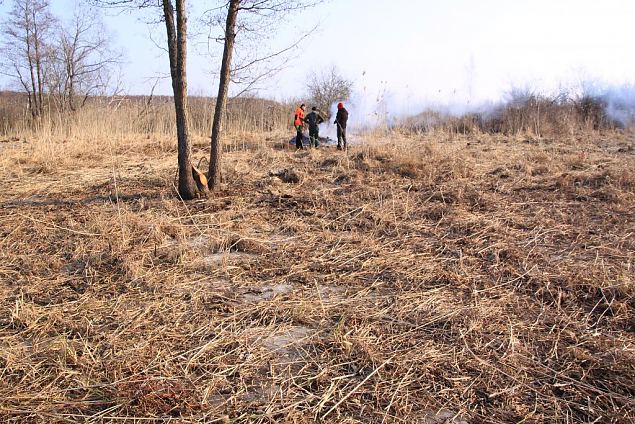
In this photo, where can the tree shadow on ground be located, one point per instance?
(93, 200)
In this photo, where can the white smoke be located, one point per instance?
(368, 110)
(620, 104)
(381, 109)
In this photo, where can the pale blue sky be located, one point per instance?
(418, 50)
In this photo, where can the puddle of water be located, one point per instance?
(286, 344)
(202, 245)
(226, 257)
(277, 240)
(262, 394)
(332, 293)
(444, 416)
(206, 284)
(267, 292)
(200, 242)
(285, 348)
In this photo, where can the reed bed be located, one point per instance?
(124, 116)
(479, 279)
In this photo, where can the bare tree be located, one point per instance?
(26, 48)
(327, 88)
(177, 50)
(83, 59)
(191, 181)
(221, 98)
(244, 15)
(249, 17)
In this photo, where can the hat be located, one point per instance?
(340, 105)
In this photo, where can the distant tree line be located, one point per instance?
(56, 62)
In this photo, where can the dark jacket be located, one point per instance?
(313, 119)
(341, 118)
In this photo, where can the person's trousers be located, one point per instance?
(299, 137)
(314, 136)
(341, 137)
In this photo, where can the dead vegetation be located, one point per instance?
(481, 279)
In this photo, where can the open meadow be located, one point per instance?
(415, 279)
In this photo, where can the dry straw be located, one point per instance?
(433, 279)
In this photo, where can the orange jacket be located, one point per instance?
(299, 117)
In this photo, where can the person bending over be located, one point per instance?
(314, 119)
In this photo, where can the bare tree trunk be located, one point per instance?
(38, 64)
(177, 45)
(221, 99)
(35, 109)
(70, 69)
(34, 106)
(70, 78)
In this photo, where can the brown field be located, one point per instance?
(431, 279)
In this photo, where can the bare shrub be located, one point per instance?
(326, 88)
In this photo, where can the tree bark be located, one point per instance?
(27, 24)
(221, 99)
(38, 64)
(35, 109)
(177, 49)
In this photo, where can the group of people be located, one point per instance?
(313, 120)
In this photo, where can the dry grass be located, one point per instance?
(137, 115)
(477, 280)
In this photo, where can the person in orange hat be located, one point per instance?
(341, 119)
(298, 122)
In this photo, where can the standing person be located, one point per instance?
(314, 119)
(341, 120)
(298, 122)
